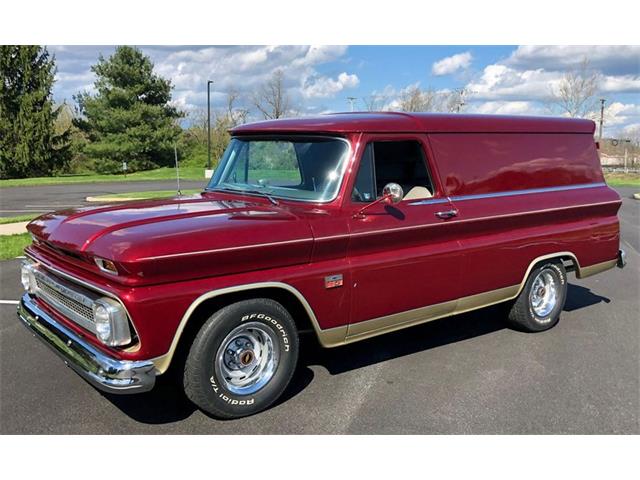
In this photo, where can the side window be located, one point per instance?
(401, 162)
(364, 189)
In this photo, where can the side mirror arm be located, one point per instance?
(391, 193)
(383, 199)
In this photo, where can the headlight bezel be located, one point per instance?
(26, 272)
(111, 318)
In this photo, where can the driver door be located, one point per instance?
(405, 257)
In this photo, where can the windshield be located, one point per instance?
(308, 169)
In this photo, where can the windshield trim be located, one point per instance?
(286, 136)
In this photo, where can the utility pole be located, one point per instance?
(602, 100)
(209, 82)
(351, 100)
(461, 92)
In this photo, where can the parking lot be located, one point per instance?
(466, 374)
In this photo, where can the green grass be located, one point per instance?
(12, 246)
(144, 195)
(165, 173)
(19, 218)
(623, 179)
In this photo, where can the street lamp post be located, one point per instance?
(602, 100)
(209, 82)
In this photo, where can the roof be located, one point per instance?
(341, 123)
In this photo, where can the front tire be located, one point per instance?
(242, 359)
(542, 299)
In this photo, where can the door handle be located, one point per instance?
(447, 213)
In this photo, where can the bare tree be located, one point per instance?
(272, 100)
(374, 103)
(414, 99)
(235, 116)
(577, 93)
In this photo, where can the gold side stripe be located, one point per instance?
(398, 321)
(342, 335)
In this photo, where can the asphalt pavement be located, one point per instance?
(16, 201)
(465, 374)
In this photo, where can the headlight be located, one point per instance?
(112, 325)
(27, 278)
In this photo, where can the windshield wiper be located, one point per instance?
(262, 193)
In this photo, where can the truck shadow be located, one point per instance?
(166, 403)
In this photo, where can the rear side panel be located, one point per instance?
(522, 196)
(474, 163)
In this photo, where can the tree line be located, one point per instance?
(129, 116)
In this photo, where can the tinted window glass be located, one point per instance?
(364, 189)
(288, 167)
(401, 162)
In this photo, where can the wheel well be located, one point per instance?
(205, 309)
(568, 262)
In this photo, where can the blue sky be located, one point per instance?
(501, 79)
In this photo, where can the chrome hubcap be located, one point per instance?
(544, 293)
(247, 358)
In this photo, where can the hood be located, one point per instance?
(167, 240)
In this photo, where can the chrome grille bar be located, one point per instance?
(69, 300)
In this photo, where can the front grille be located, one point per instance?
(82, 310)
(68, 299)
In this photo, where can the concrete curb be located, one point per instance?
(13, 228)
(110, 199)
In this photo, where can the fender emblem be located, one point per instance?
(333, 281)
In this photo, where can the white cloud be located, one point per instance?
(244, 68)
(323, 87)
(506, 108)
(622, 113)
(610, 59)
(501, 82)
(452, 64)
(621, 84)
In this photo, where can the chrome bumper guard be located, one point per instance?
(622, 259)
(106, 373)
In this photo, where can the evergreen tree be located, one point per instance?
(130, 117)
(29, 144)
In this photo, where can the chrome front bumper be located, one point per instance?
(104, 372)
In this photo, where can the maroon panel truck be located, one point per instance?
(348, 225)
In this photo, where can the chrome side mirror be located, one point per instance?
(393, 192)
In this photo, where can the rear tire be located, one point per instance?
(242, 359)
(542, 299)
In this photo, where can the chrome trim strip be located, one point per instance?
(227, 249)
(106, 373)
(465, 220)
(430, 201)
(529, 191)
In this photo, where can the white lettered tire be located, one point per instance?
(542, 298)
(242, 359)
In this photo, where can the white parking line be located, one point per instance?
(53, 205)
(9, 302)
(21, 211)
